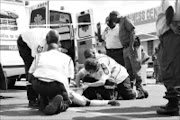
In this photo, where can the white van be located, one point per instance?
(11, 24)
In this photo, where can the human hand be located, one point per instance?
(85, 86)
(63, 50)
(98, 25)
(114, 103)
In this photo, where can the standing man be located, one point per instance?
(127, 37)
(113, 46)
(168, 30)
(31, 42)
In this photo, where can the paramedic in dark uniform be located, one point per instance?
(31, 42)
(168, 31)
(113, 45)
(127, 37)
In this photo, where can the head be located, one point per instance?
(89, 53)
(114, 16)
(52, 37)
(91, 65)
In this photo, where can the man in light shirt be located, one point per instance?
(113, 45)
(168, 31)
(52, 70)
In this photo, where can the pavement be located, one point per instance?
(14, 106)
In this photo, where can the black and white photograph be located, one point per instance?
(90, 60)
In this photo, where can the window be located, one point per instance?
(8, 24)
(38, 17)
(8, 20)
(60, 22)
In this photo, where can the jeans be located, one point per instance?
(133, 68)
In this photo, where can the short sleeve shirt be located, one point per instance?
(161, 26)
(35, 39)
(126, 26)
(112, 68)
(111, 37)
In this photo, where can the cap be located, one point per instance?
(113, 13)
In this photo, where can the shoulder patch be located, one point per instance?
(39, 49)
(105, 69)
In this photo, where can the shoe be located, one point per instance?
(146, 94)
(43, 102)
(168, 111)
(114, 103)
(53, 106)
(140, 94)
(33, 103)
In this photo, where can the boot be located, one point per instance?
(171, 108)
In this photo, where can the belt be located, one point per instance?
(116, 49)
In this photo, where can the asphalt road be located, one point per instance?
(14, 106)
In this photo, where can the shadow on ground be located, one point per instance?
(123, 113)
(19, 110)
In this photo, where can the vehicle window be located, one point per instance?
(62, 22)
(84, 29)
(8, 21)
(38, 17)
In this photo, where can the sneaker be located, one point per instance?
(146, 94)
(168, 111)
(140, 94)
(52, 107)
(43, 102)
(114, 103)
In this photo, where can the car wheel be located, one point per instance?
(11, 81)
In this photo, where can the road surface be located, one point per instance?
(15, 106)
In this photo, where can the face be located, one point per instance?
(114, 19)
(94, 71)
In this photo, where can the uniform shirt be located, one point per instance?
(161, 26)
(111, 37)
(112, 68)
(126, 27)
(52, 66)
(35, 39)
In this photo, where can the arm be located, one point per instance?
(71, 70)
(31, 71)
(130, 28)
(95, 84)
(79, 76)
(99, 32)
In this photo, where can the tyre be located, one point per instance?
(11, 81)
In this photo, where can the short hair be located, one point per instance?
(91, 64)
(89, 53)
(52, 37)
